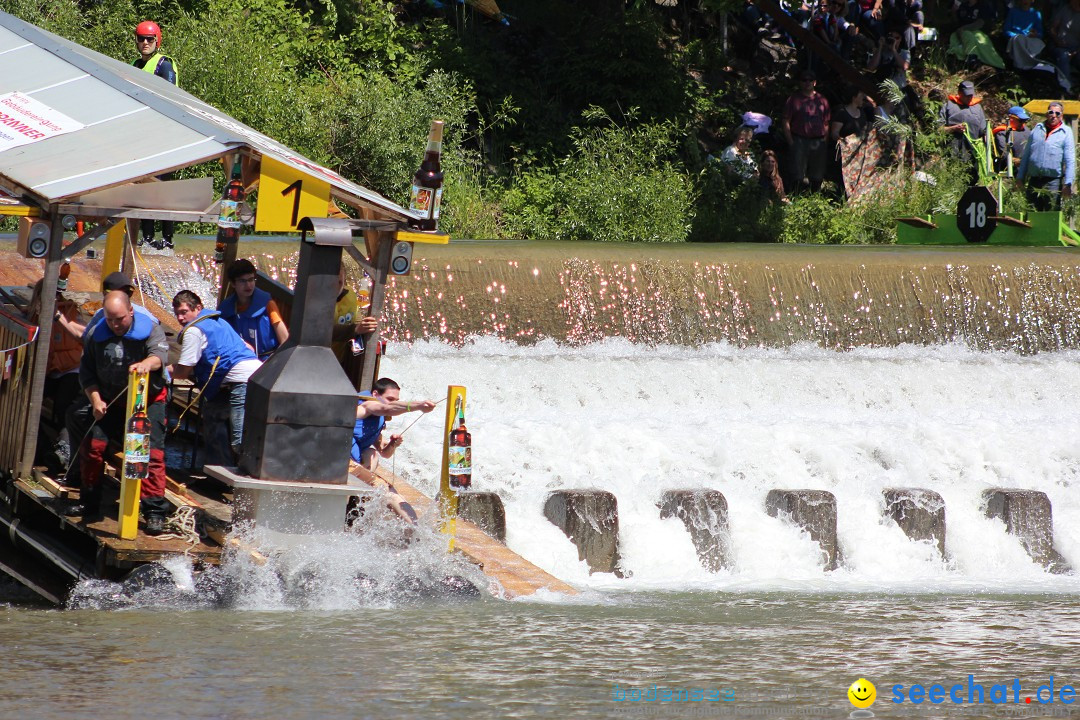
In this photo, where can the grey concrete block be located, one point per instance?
(920, 514)
(705, 515)
(812, 510)
(590, 518)
(1027, 514)
(486, 511)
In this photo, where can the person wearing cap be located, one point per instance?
(1048, 168)
(252, 312)
(963, 118)
(116, 281)
(805, 125)
(1010, 140)
(153, 61)
(125, 343)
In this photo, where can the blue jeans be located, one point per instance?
(223, 424)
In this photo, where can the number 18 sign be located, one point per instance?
(976, 215)
(286, 195)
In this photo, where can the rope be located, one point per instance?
(193, 400)
(181, 526)
(393, 458)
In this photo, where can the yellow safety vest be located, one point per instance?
(151, 65)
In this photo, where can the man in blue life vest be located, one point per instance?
(252, 312)
(78, 424)
(152, 60)
(125, 343)
(369, 444)
(220, 363)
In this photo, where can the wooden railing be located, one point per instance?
(19, 347)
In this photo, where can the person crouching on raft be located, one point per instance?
(369, 444)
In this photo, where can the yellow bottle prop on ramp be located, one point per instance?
(448, 493)
(136, 463)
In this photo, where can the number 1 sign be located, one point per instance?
(286, 195)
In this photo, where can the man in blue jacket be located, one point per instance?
(1048, 167)
(214, 356)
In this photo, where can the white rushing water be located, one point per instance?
(636, 421)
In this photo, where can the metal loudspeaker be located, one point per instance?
(401, 258)
(34, 237)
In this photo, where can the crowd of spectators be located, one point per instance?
(881, 39)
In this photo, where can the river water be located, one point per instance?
(349, 628)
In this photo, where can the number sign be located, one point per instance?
(286, 195)
(976, 214)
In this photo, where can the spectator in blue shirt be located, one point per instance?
(1048, 168)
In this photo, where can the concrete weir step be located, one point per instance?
(812, 510)
(590, 518)
(1027, 514)
(920, 513)
(705, 515)
(486, 511)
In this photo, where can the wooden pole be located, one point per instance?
(378, 298)
(44, 338)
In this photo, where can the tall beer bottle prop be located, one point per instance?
(136, 466)
(229, 223)
(453, 461)
(460, 466)
(426, 195)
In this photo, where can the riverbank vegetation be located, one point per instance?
(581, 119)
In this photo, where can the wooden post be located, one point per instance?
(114, 248)
(378, 297)
(43, 340)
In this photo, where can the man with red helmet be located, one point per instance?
(152, 60)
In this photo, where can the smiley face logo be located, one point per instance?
(862, 693)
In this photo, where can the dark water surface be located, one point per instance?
(774, 655)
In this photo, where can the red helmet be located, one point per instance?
(148, 27)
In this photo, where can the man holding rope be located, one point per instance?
(368, 441)
(126, 342)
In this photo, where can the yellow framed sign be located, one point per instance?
(286, 195)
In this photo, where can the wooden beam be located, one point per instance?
(378, 298)
(846, 72)
(44, 338)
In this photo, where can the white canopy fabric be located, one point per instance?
(73, 121)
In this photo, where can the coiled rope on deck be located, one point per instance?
(181, 526)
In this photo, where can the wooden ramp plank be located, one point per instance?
(517, 575)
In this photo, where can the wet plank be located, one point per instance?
(517, 575)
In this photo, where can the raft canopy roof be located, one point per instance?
(129, 125)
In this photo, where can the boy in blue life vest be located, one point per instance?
(152, 60)
(368, 441)
(214, 356)
(251, 311)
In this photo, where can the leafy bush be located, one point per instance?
(620, 183)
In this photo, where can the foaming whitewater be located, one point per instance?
(379, 564)
(637, 420)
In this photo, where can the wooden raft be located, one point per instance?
(517, 575)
